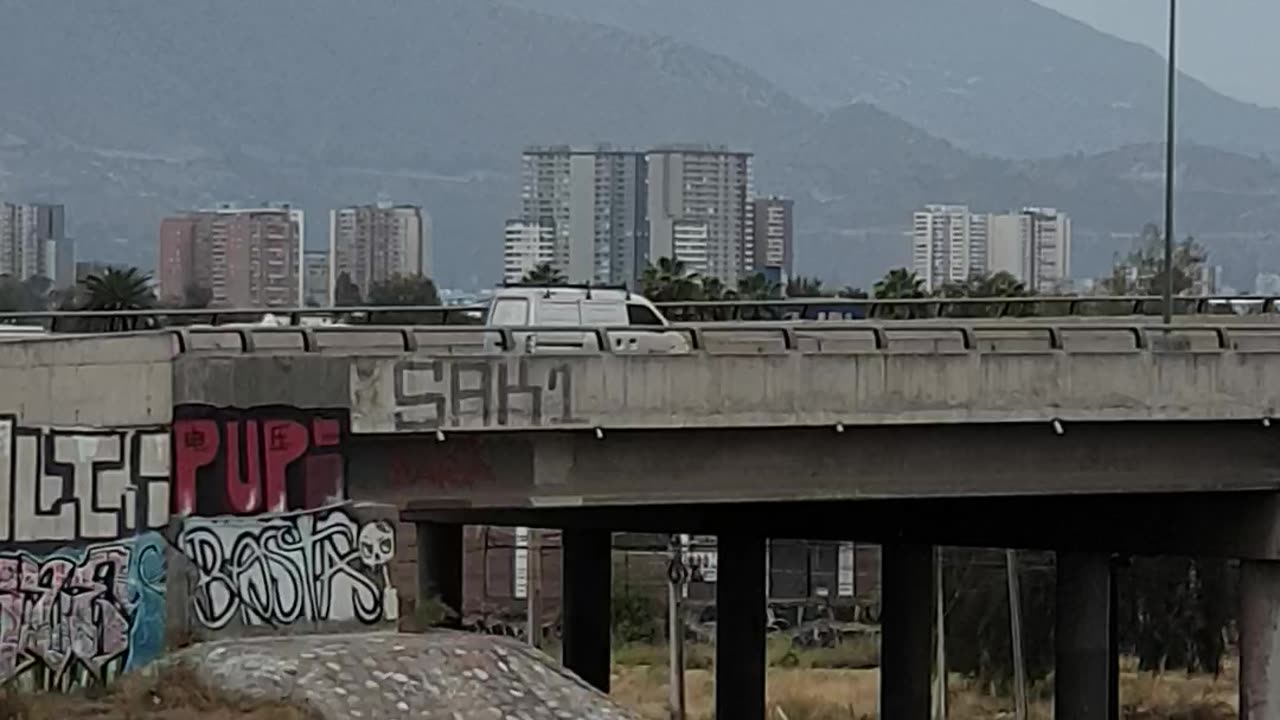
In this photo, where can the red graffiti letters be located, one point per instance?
(456, 465)
(241, 462)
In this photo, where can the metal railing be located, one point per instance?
(734, 338)
(819, 308)
(679, 311)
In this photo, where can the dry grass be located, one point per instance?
(813, 693)
(174, 694)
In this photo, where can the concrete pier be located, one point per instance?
(906, 638)
(585, 596)
(740, 628)
(1259, 640)
(440, 571)
(1084, 653)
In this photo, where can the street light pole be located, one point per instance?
(1169, 169)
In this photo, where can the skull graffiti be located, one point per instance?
(377, 543)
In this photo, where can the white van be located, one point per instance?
(526, 306)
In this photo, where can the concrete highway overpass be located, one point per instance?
(1084, 438)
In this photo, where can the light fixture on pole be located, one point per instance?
(1169, 169)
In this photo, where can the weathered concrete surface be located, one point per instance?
(618, 391)
(87, 381)
(789, 464)
(434, 676)
(1259, 640)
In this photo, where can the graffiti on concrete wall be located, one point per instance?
(77, 617)
(456, 465)
(271, 459)
(419, 394)
(65, 485)
(321, 566)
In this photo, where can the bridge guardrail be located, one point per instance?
(774, 310)
(735, 338)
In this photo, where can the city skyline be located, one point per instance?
(603, 214)
(950, 244)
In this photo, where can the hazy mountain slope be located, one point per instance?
(268, 99)
(1007, 77)
(144, 107)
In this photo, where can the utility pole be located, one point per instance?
(940, 628)
(1015, 632)
(533, 593)
(1169, 169)
(677, 574)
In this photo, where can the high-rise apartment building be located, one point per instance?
(34, 243)
(948, 244)
(241, 257)
(611, 212)
(372, 243)
(704, 185)
(592, 200)
(1034, 245)
(525, 246)
(773, 236)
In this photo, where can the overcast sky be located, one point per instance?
(1230, 44)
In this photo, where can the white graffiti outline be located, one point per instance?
(281, 570)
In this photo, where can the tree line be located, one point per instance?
(1138, 272)
(128, 289)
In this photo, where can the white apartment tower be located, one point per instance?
(372, 243)
(948, 244)
(772, 227)
(707, 185)
(1033, 245)
(525, 246)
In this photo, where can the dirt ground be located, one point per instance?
(175, 694)
(836, 694)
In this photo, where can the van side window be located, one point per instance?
(562, 313)
(510, 312)
(595, 312)
(638, 314)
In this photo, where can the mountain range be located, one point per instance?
(1004, 77)
(130, 110)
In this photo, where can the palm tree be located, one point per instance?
(119, 290)
(759, 287)
(801, 286)
(899, 284)
(1000, 285)
(544, 274)
(713, 289)
(671, 280)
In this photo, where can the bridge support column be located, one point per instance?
(1259, 639)
(585, 602)
(440, 573)
(906, 636)
(1084, 653)
(741, 619)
